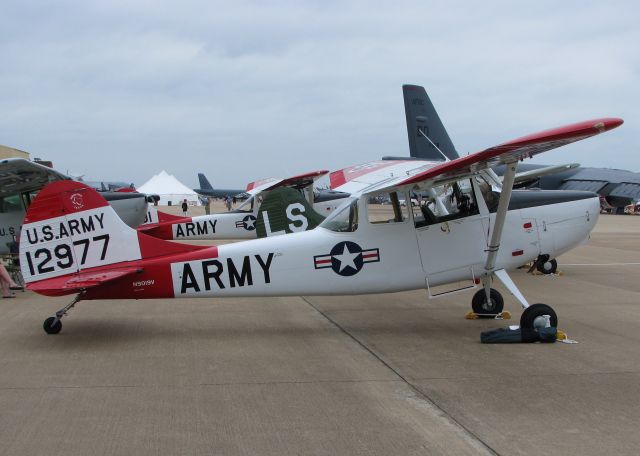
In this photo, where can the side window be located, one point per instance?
(344, 220)
(491, 196)
(10, 203)
(446, 202)
(388, 208)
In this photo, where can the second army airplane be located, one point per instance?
(73, 243)
(274, 206)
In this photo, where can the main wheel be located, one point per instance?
(547, 267)
(532, 316)
(52, 325)
(481, 306)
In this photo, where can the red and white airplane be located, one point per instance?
(72, 242)
(267, 212)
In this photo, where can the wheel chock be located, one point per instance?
(471, 315)
(555, 274)
(561, 336)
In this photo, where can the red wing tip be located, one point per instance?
(607, 124)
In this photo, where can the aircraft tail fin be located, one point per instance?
(204, 182)
(285, 210)
(428, 139)
(70, 229)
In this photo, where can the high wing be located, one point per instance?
(355, 179)
(299, 181)
(18, 175)
(509, 152)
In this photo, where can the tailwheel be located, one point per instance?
(52, 325)
(547, 266)
(487, 308)
(533, 317)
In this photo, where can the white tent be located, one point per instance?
(170, 189)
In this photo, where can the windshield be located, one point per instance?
(247, 206)
(344, 219)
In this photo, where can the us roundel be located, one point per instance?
(248, 223)
(346, 258)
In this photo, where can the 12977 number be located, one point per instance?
(61, 255)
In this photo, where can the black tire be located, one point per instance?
(534, 311)
(547, 267)
(52, 325)
(480, 305)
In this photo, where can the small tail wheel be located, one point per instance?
(52, 325)
(533, 316)
(547, 267)
(487, 308)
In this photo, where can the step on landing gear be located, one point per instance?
(53, 325)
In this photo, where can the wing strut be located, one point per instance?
(496, 236)
(501, 216)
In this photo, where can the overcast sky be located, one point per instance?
(119, 90)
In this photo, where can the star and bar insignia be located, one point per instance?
(346, 258)
(248, 223)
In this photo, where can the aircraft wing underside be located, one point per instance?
(301, 180)
(18, 175)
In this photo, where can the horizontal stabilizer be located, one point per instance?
(59, 286)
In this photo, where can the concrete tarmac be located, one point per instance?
(394, 374)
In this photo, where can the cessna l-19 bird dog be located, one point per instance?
(73, 243)
(274, 206)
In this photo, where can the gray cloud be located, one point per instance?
(253, 89)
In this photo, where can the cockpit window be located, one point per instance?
(247, 206)
(446, 202)
(10, 203)
(490, 195)
(344, 219)
(388, 208)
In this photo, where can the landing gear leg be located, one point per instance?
(53, 325)
(533, 316)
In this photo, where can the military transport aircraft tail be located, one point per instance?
(428, 139)
(204, 182)
(283, 211)
(70, 228)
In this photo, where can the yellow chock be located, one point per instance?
(471, 315)
(561, 336)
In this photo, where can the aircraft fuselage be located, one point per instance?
(375, 258)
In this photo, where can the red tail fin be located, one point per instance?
(70, 228)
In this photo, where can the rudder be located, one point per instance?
(285, 210)
(423, 118)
